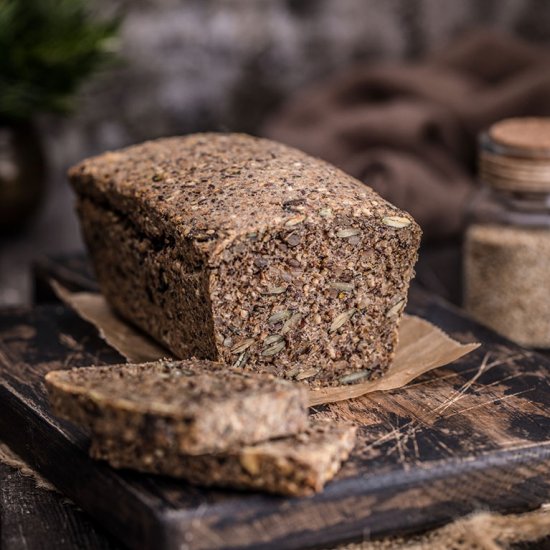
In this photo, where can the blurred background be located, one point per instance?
(392, 91)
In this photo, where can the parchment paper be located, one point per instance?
(422, 346)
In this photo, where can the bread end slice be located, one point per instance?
(297, 465)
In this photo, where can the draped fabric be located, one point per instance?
(410, 130)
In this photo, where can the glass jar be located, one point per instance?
(507, 244)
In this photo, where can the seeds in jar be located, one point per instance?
(507, 281)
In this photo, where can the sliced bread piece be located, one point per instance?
(193, 406)
(295, 465)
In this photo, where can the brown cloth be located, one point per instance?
(410, 131)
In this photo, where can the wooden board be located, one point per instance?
(473, 435)
(35, 518)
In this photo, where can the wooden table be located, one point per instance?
(54, 523)
(32, 518)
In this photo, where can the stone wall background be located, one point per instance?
(190, 65)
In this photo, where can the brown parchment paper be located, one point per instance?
(422, 347)
(132, 344)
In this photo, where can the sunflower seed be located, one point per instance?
(293, 321)
(272, 339)
(354, 377)
(292, 372)
(396, 221)
(364, 302)
(203, 236)
(294, 204)
(348, 232)
(250, 462)
(274, 349)
(342, 319)
(344, 287)
(274, 290)
(306, 374)
(241, 346)
(241, 360)
(395, 309)
(293, 239)
(260, 262)
(295, 220)
(279, 317)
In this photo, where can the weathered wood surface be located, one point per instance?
(33, 518)
(473, 435)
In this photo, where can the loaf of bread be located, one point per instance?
(247, 252)
(296, 465)
(193, 406)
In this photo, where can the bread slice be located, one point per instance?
(295, 465)
(244, 251)
(193, 406)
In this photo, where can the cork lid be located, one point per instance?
(515, 155)
(528, 134)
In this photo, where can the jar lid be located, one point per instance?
(515, 155)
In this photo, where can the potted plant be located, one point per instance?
(47, 49)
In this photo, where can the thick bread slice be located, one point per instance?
(295, 465)
(193, 406)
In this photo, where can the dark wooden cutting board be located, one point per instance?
(474, 435)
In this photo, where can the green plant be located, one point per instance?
(47, 49)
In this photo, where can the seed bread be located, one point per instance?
(297, 465)
(193, 406)
(248, 252)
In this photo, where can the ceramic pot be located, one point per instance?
(22, 175)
